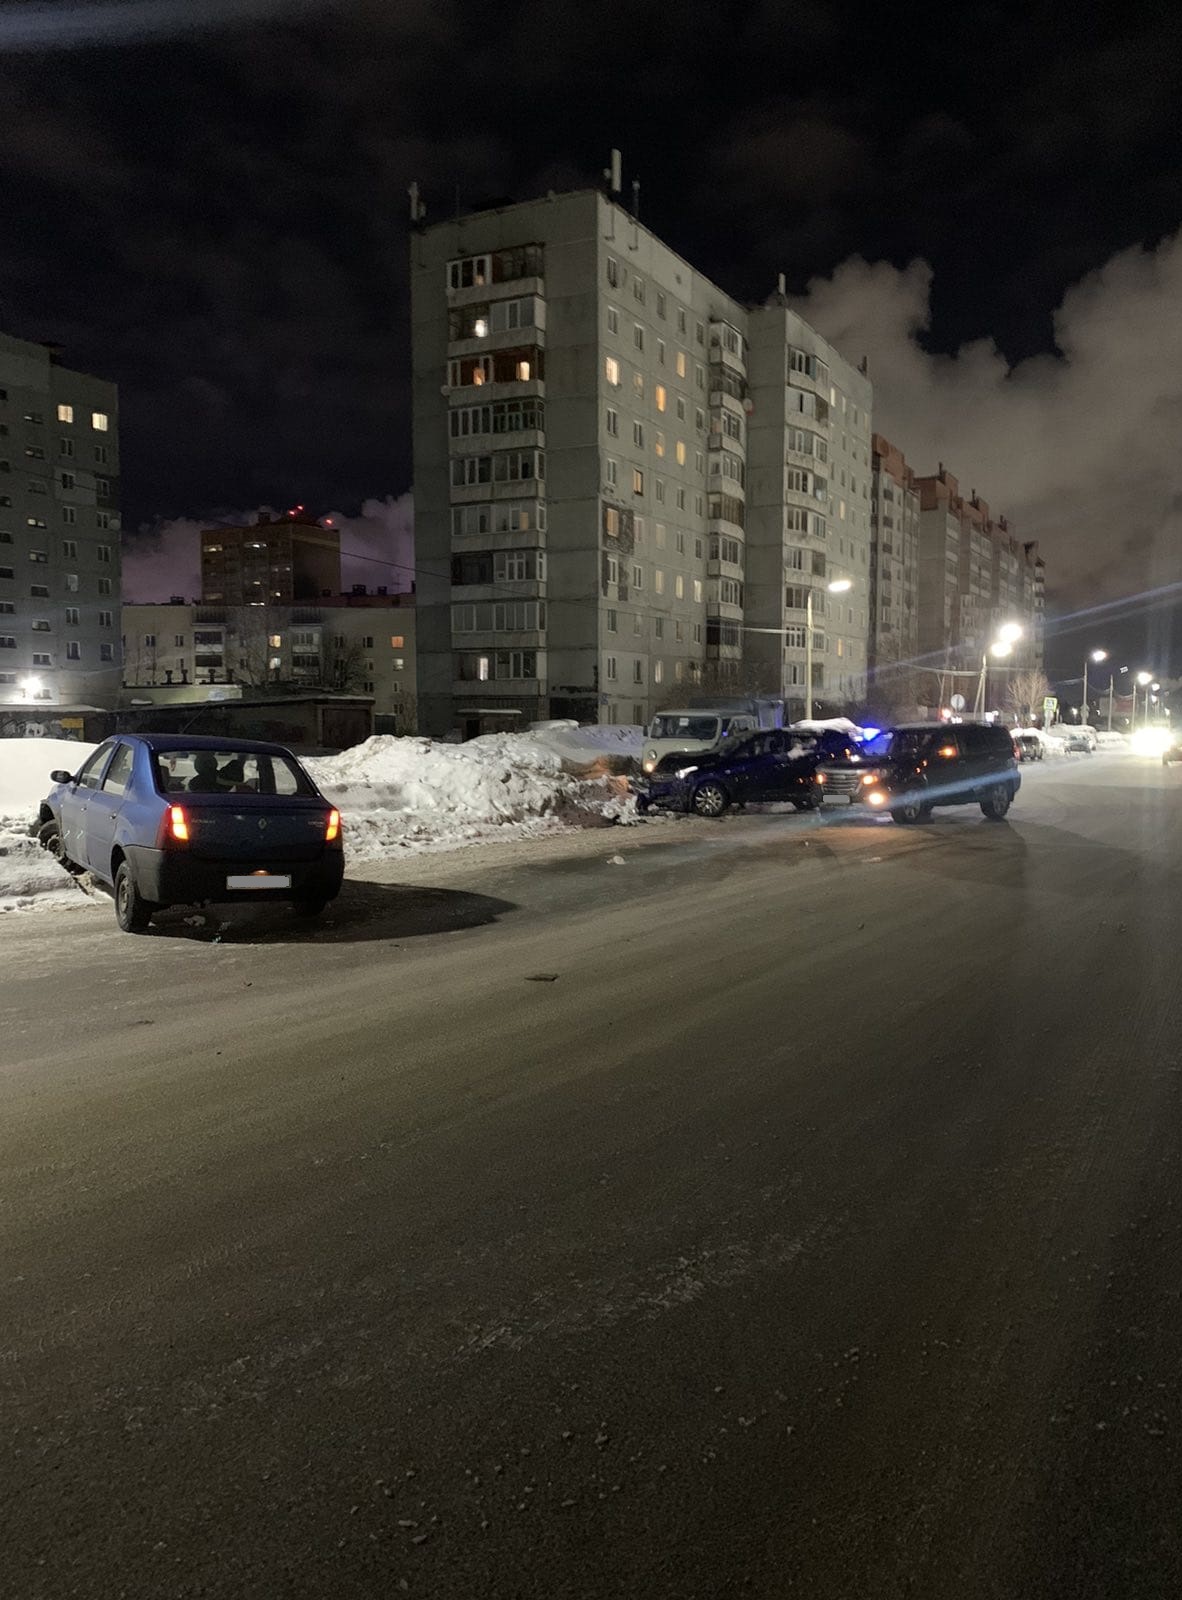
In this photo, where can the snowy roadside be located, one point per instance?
(397, 796)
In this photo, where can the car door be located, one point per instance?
(947, 767)
(741, 772)
(783, 774)
(76, 802)
(103, 807)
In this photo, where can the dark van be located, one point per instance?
(910, 769)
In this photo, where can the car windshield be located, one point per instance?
(674, 725)
(228, 771)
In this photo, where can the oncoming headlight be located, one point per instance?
(869, 777)
(1151, 741)
(877, 798)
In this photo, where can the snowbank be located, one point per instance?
(592, 749)
(27, 875)
(827, 725)
(408, 793)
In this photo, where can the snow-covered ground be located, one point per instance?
(394, 794)
(27, 875)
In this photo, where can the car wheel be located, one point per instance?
(49, 836)
(996, 802)
(132, 911)
(710, 800)
(910, 812)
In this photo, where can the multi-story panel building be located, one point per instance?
(569, 455)
(59, 531)
(975, 577)
(274, 561)
(894, 576)
(808, 512)
(359, 643)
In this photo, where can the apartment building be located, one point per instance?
(808, 513)
(587, 411)
(358, 643)
(894, 574)
(274, 561)
(975, 577)
(59, 531)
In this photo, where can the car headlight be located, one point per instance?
(684, 772)
(870, 777)
(1151, 741)
(649, 761)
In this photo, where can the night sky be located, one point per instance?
(215, 217)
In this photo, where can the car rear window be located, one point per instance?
(228, 772)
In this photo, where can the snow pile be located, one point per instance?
(28, 876)
(828, 725)
(597, 748)
(411, 793)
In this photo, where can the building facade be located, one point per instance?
(59, 531)
(894, 577)
(361, 643)
(808, 513)
(274, 561)
(975, 578)
(583, 401)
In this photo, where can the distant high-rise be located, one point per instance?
(59, 531)
(271, 562)
(626, 482)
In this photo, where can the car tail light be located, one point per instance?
(178, 825)
(333, 826)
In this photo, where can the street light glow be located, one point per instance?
(30, 686)
(839, 585)
(1099, 655)
(1144, 677)
(1000, 647)
(1009, 631)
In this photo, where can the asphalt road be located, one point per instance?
(792, 1209)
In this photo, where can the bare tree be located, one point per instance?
(1025, 693)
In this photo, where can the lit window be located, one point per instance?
(659, 397)
(397, 642)
(611, 371)
(99, 421)
(681, 363)
(65, 413)
(637, 481)
(523, 372)
(658, 671)
(659, 444)
(681, 452)
(480, 328)
(275, 640)
(679, 586)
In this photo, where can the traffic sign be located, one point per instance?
(957, 702)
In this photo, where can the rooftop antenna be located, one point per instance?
(418, 209)
(781, 286)
(613, 173)
(636, 198)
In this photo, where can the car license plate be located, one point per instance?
(260, 880)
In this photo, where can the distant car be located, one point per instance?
(1082, 741)
(177, 820)
(1172, 751)
(1028, 747)
(909, 770)
(774, 765)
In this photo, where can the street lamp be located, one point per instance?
(838, 586)
(1001, 646)
(1144, 679)
(1096, 655)
(30, 687)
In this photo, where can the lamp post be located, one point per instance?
(1144, 679)
(1001, 646)
(1096, 655)
(838, 586)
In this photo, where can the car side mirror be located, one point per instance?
(60, 776)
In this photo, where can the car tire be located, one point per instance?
(910, 813)
(996, 802)
(710, 800)
(49, 837)
(132, 912)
